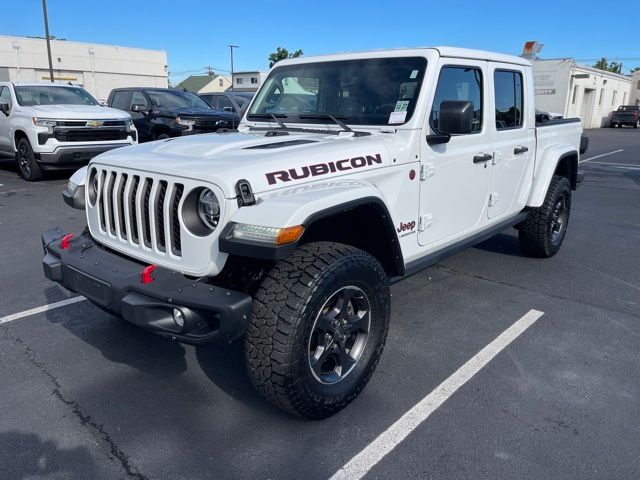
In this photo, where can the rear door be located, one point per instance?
(6, 140)
(513, 136)
(455, 189)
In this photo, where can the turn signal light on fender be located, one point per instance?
(66, 241)
(145, 276)
(289, 234)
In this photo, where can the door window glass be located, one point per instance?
(138, 98)
(459, 83)
(121, 100)
(507, 86)
(5, 96)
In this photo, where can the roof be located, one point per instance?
(195, 83)
(451, 52)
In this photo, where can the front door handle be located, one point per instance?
(482, 158)
(519, 150)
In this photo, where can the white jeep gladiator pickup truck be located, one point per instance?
(52, 126)
(348, 171)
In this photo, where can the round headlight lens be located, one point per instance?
(209, 208)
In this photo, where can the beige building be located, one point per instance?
(211, 83)
(98, 68)
(562, 86)
(248, 81)
(634, 97)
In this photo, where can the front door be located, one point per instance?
(6, 140)
(457, 174)
(513, 135)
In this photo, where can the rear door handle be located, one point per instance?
(482, 158)
(519, 150)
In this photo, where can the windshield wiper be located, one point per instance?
(326, 116)
(272, 116)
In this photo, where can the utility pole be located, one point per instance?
(46, 32)
(231, 47)
(209, 70)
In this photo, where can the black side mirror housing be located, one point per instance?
(4, 108)
(139, 108)
(228, 109)
(456, 117)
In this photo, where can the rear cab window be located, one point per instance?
(509, 102)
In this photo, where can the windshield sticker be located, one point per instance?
(402, 105)
(397, 117)
(414, 74)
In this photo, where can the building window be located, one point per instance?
(624, 98)
(239, 81)
(221, 82)
(575, 95)
(601, 96)
(254, 80)
(638, 86)
(613, 99)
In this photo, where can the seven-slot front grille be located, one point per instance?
(89, 134)
(140, 210)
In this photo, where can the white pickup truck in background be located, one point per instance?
(56, 126)
(347, 171)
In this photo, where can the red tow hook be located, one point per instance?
(145, 276)
(66, 241)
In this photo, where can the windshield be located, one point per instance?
(377, 91)
(29, 96)
(175, 99)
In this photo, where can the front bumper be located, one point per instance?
(113, 283)
(73, 155)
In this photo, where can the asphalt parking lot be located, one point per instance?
(84, 395)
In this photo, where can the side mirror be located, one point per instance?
(228, 109)
(4, 108)
(139, 109)
(456, 117)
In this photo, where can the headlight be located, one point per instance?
(129, 124)
(209, 208)
(268, 235)
(43, 122)
(185, 121)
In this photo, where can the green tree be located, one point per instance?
(603, 64)
(280, 54)
(635, 69)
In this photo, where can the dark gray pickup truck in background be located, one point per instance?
(625, 115)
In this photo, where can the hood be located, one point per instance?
(80, 112)
(267, 163)
(198, 112)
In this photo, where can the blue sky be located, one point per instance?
(196, 33)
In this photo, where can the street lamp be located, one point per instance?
(46, 32)
(231, 47)
(16, 47)
(93, 70)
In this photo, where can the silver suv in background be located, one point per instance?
(53, 126)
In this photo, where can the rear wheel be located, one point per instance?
(28, 166)
(541, 234)
(318, 327)
(635, 125)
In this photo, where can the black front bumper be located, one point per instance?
(113, 283)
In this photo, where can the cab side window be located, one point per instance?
(509, 102)
(459, 83)
(5, 96)
(121, 100)
(138, 98)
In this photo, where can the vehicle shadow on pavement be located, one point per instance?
(503, 243)
(118, 341)
(25, 455)
(225, 366)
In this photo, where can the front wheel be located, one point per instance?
(542, 233)
(28, 166)
(318, 327)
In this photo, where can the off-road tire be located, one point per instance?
(28, 166)
(285, 309)
(536, 234)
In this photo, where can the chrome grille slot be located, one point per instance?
(140, 211)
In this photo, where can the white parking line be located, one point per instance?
(43, 308)
(619, 165)
(602, 155)
(364, 461)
